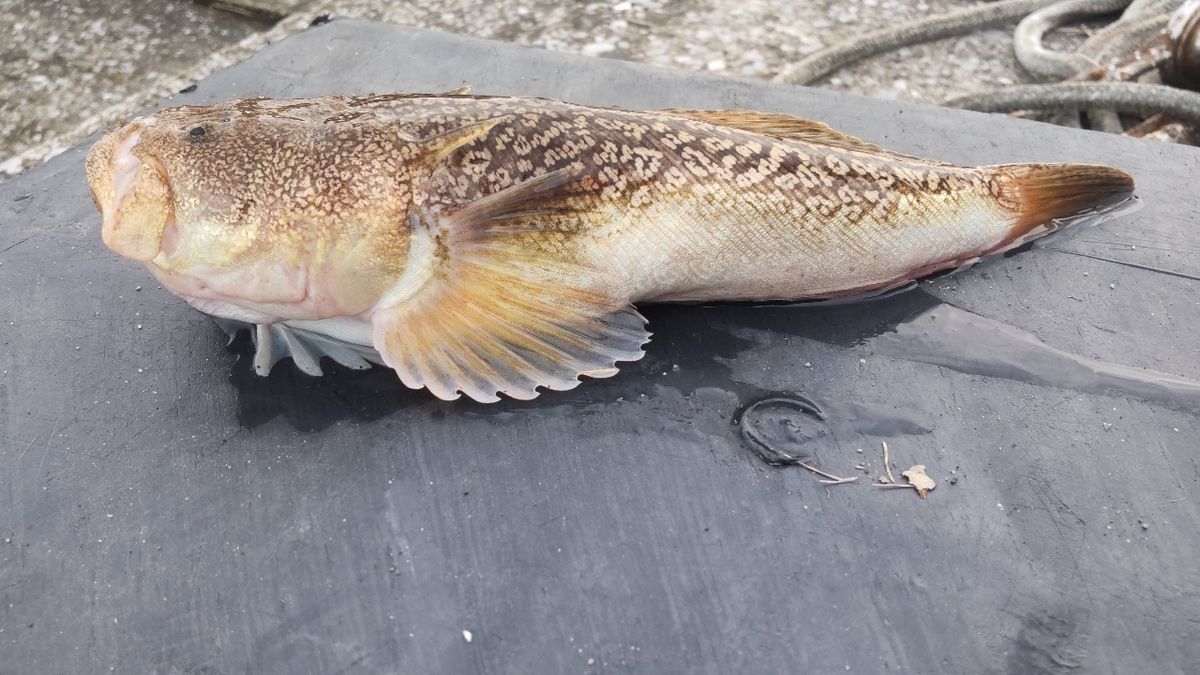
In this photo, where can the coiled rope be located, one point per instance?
(1141, 21)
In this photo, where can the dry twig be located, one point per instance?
(917, 479)
(887, 465)
(830, 478)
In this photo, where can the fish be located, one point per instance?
(494, 246)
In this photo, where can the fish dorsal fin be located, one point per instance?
(445, 143)
(786, 127)
(492, 302)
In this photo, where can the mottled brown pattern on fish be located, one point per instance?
(495, 245)
(668, 189)
(630, 159)
(638, 159)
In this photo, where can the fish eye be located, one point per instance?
(196, 131)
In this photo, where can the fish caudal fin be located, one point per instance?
(1049, 194)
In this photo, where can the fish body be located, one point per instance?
(487, 245)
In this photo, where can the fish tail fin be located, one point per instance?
(1049, 196)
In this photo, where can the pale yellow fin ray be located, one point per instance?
(499, 313)
(526, 332)
(504, 366)
(504, 369)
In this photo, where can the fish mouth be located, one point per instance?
(133, 193)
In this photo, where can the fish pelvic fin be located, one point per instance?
(1048, 196)
(278, 341)
(495, 306)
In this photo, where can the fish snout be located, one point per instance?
(131, 191)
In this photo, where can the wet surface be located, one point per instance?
(345, 523)
(951, 337)
(681, 357)
(877, 420)
(685, 353)
(1049, 643)
(785, 430)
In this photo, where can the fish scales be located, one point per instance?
(639, 161)
(486, 245)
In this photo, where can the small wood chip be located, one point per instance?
(916, 477)
(919, 480)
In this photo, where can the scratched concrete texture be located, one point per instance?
(164, 510)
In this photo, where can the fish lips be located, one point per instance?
(133, 192)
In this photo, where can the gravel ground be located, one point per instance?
(74, 68)
(71, 66)
(748, 38)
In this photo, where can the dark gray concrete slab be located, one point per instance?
(164, 510)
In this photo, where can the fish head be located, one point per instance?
(228, 205)
(179, 184)
(131, 190)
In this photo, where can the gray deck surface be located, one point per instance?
(164, 510)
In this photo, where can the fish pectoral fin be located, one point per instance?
(495, 313)
(785, 127)
(509, 338)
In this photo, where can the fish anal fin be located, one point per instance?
(493, 313)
